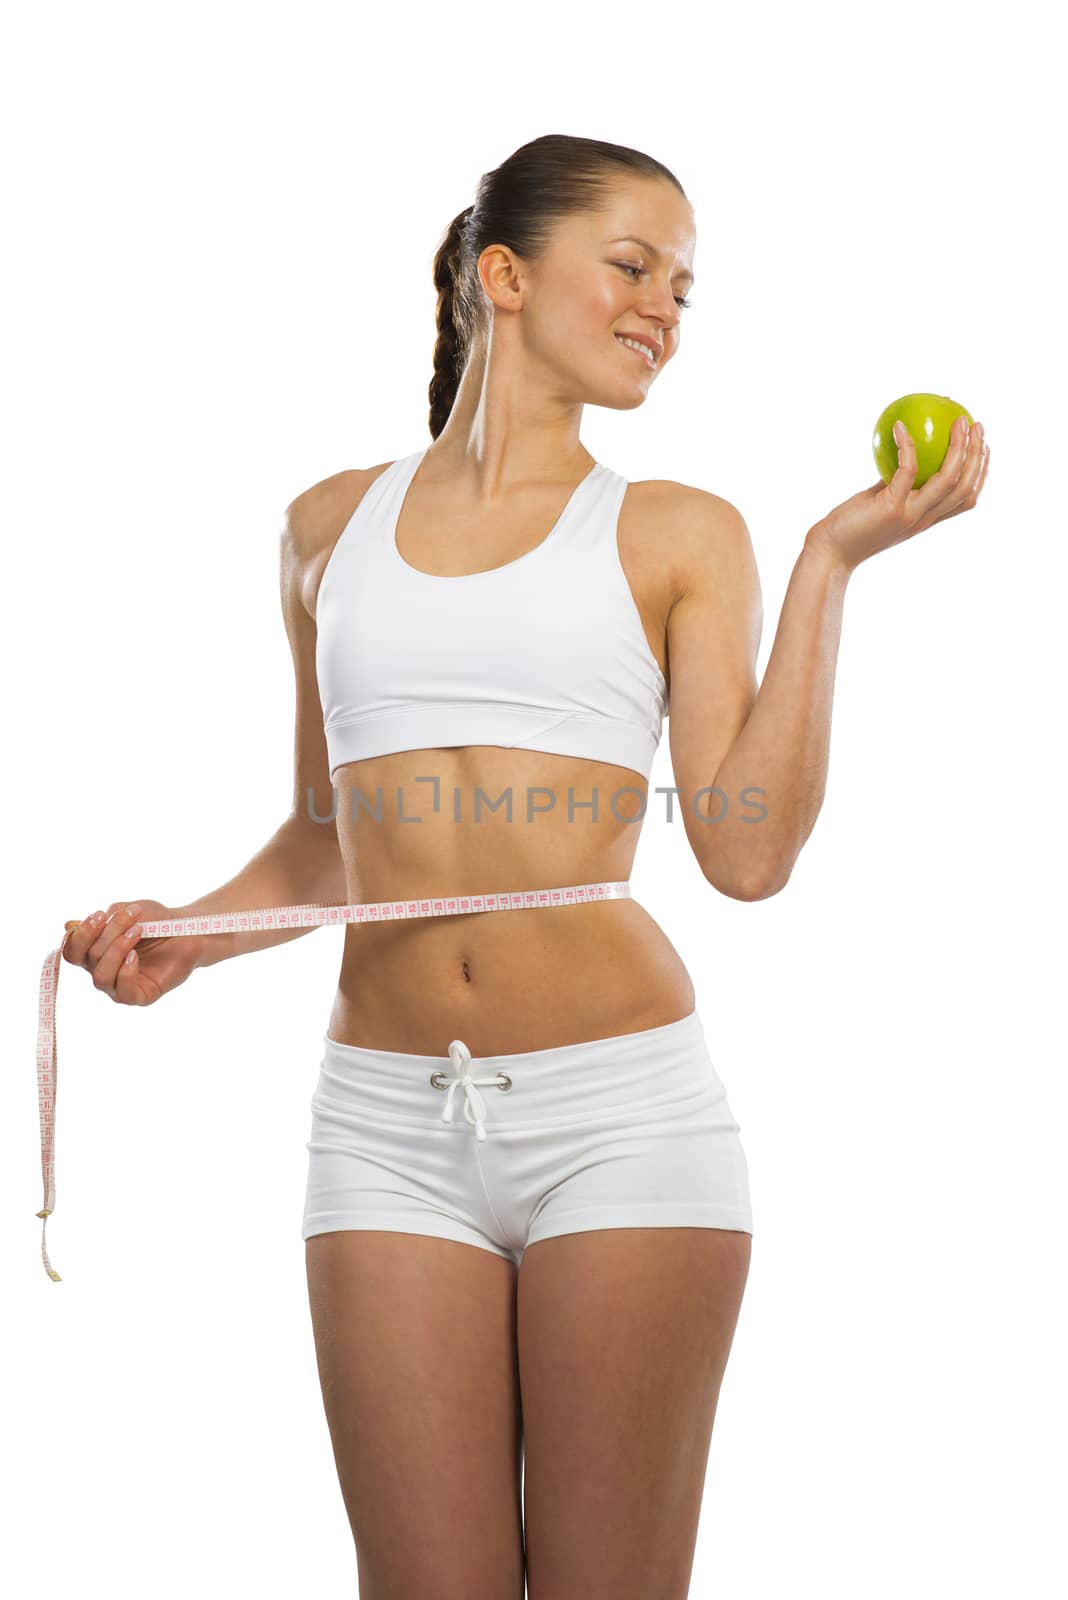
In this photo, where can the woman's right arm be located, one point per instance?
(301, 863)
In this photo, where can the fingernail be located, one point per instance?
(133, 910)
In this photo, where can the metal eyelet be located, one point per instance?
(438, 1080)
(507, 1084)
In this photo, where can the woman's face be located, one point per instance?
(623, 270)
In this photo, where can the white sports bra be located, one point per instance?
(547, 652)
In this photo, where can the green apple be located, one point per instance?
(928, 418)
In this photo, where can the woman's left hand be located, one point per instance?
(888, 513)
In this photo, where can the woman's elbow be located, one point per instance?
(753, 886)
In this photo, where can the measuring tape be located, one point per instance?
(309, 916)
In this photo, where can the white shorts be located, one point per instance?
(632, 1131)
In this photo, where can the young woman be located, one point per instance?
(527, 1218)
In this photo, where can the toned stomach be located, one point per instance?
(503, 981)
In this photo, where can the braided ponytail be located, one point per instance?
(449, 352)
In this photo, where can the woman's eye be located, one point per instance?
(628, 266)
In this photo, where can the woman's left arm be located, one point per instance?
(777, 762)
(769, 789)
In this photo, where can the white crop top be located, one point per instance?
(545, 653)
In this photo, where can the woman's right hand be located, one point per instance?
(158, 965)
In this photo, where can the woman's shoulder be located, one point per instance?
(677, 527)
(682, 497)
(315, 518)
(314, 522)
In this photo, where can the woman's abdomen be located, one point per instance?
(508, 981)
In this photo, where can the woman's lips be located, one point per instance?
(643, 355)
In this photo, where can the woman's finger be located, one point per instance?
(905, 476)
(108, 950)
(973, 466)
(975, 485)
(128, 978)
(76, 945)
(108, 971)
(926, 503)
(969, 484)
(971, 488)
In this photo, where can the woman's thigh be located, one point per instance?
(623, 1338)
(415, 1340)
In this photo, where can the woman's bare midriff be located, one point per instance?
(503, 981)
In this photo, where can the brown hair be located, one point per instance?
(518, 204)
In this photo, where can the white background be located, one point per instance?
(218, 291)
